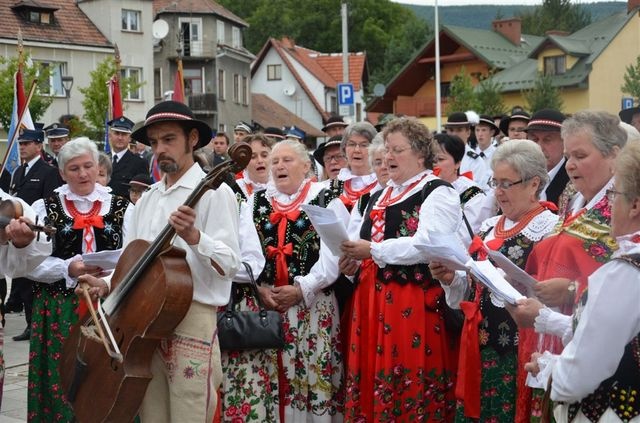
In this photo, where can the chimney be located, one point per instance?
(511, 28)
(632, 4)
(288, 43)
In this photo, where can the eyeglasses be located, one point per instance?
(354, 145)
(494, 183)
(611, 194)
(138, 191)
(396, 151)
(335, 158)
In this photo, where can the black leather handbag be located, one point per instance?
(249, 330)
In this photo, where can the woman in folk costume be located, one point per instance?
(356, 179)
(486, 386)
(303, 381)
(88, 219)
(256, 175)
(581, 242)
(476, 206)
(597, 376)
(401, 358)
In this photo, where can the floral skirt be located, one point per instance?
(497, 387)
(401, 365)
(52, 318)
(306, 377)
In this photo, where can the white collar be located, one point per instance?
(120, 154)
(553, 172)
(272, 192)
(626, 246)
(247, 180)
(31, 162)
(99, 193)
(189, 180)
(579, 200)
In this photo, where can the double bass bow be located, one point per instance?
(151, 293)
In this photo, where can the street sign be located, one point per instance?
(345, 94)
(345, 110)
(627, 103)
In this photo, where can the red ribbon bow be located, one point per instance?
(477, 246)
(282, 269)
(468, 175)
(549, 205)
(276, 216)
(83, 222)
(376, 214)
(469, 366)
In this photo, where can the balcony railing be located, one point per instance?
(205, 104)
(418, 106)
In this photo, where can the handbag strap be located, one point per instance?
(253, 287)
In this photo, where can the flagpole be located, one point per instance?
(14, 136)
(438, 93)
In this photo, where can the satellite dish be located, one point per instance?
(160, 29)
(289, 90)
(379, 90)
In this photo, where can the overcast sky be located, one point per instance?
(463, 2)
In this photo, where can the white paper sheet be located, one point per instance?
(487, 274)
(445, 248)
(515, 275)
(106, 259)
(330, 229)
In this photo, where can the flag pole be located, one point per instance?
(14, 136)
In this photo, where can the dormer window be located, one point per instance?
(33, 12)
(555, 65)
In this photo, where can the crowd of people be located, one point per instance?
(376, 332)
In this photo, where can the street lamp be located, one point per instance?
(67, 83)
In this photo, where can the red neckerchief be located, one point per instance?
(86, 221)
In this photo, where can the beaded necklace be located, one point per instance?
(279, 207)
(86, 221)
(349, 195)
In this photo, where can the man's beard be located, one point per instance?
(168, 166)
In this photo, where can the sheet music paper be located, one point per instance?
(330, 229)
(515, 275)
(106, 259)
(445, 248)
(487, 274)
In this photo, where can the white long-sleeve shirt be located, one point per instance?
(17, 262)
(216, 218)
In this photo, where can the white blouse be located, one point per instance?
(440, 212)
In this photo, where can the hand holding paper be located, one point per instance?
(444, 248)
(330, 229)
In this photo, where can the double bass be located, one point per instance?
(151, 293)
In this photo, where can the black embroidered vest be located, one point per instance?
(620, 391)
(67, 241)
(302, 235)
(402, 219)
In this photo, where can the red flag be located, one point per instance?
(115, 99)
(178, 85)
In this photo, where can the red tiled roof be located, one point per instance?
(267, 112)
(70, 25)
(327, 68)
(195, 6)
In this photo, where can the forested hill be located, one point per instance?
(481, 16)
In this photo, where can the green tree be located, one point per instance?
(631, 84)
(559, 15)
(96, 100)
(490, 97)
(462, 96)
(543, 95)
(30, 71)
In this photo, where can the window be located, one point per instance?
(445, 87)
(555, 65)
(222, 128)
(274, 72)
(220, 31)
(39, 17)
(235, 33)
(245, 90)
(221, 90)
(192, 81)
(157, 83)
(236, 88)
(191, 33)
(53, 85)
(131, 20)
(333, 104)
(135, 77)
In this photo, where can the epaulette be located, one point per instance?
(473, 154)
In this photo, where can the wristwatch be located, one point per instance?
(572, 287)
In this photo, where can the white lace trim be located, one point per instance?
(272, 192)
(100, 193)
(539, 227)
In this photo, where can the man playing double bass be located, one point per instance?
(186, 367)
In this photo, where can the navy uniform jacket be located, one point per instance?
(557, 185)
(127, 167)
(40, 181)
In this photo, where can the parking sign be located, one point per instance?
(345, 94)
(627, 103)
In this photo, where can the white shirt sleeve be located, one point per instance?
(325, 271)
(554, 323)
(250, 247)
(457, 291)
(18, 262)
(440, 212)
(610, 319)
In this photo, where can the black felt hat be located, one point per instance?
(546, 120)
(516, 114)
(627, 114)
(488, 120)
(334, 121)
(173, 111)
(318, 154)
(457, 119)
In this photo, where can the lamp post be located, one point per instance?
(67, 83)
